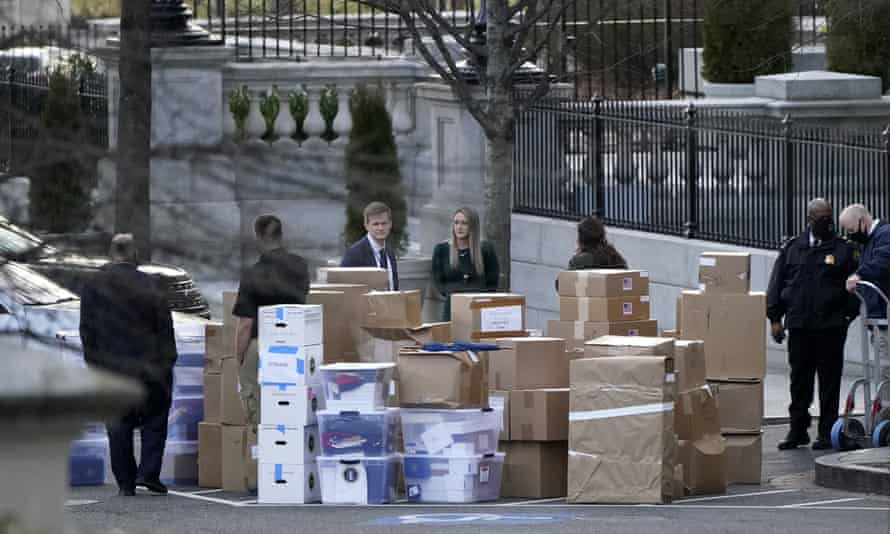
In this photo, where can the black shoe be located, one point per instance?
(126, 493)
(822, 444)
(154, 486)
(793, 441)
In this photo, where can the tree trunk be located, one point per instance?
(132, 199)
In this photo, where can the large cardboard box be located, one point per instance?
(231, 409)
(704, 465)
(442, 379)
(603, 283)
(733, 328)
(478, 316)
(697, 414)
(394, 309)
(500, 401)
(375, 279)
(744, 458)
(721, 273)
(621, 430)
(239, 467)
(213, 397)
(539, 415)
(355, 308)
(606, 346)
(689, 361)
(603, 310)
(210, 455)
(535, 470)
(338, 343)
(577, 332)
(219, 344)
(741, 405)
(529, 363)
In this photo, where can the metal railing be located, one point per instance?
(687, 171)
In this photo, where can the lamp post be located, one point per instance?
(171, 25)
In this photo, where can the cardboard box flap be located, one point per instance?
(442, 379)
(629, 346)
(394, 309)
(603, 282)
(426, 333)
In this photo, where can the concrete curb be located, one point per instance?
(866, 471)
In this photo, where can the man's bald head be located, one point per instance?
(856, 218)
(818, 208)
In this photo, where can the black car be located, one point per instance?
(72, 270)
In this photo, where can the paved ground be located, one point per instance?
(787, 501)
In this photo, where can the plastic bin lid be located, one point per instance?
(491, 455)
(357, 366)
(382, 411)
(357, 459)
(446, 411)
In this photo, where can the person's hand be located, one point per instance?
(852, 281)
(778, 332)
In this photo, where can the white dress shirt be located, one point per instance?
(377, 247)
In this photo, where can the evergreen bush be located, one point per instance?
(372, 167)
(859, 38)
(744, 39)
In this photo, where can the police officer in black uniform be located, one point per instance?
(807, 289)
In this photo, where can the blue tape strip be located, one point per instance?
(284, 349)
(280, 428)
(301, 366)
(281, 385)
(279, 313)
(278, 472)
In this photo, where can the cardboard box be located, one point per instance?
(375, 279)
(231, 408)
(213, 397)
(382, 345)
(500, 401)
(219, 344)
(689, 361)
(279, 444)
(607, 346)
(704, 465)
(697, 414)
(539, 415)
(721, 273)
(239, 468)
(733, 328)
(679, 484)
(478, 316)
(744, 458)
(529, 363)
(741, 405)
(298, 325)
(607, 463)
(210, 455)
(291, 406)
(577, 332)
(535, 470)
(339, 345)
(394, 309)
(442, 379)
(356, 309)
(670, 333)
(603, 283)
(603, 310)
(229, 320)
(288, 484)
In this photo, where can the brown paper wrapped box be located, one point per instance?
(733, 328)
(741, 405)
(721, 273)
(442, 379)
(375, 279)
(603, 283)
(689, 361)
(529, 363)
(239, 468)
(744, 458)
(603, 310)
(704, 465)
(621, 430)
(576, 333)
(606, 346)
(697, 414)
(212, 398)
(501, 398)
(534, 470)
(539, 415)
(487, 316)
(231, 409)
(219, 344)
(209, 455)
(394, 309)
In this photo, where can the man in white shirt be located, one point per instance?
(372, 250)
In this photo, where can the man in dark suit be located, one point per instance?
(371, 250)
(126, 327)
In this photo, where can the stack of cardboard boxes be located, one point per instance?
(601, 302)
(485, 317)
(731, 321)
(530, 376)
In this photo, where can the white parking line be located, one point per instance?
(79, 502)
(205, 498)
(205, 492)
(820, 503)
(533, 502)
(736, 495)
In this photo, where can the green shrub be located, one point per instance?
(859, 38)
(372, 168)
(744, 39)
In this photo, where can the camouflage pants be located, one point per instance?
(250, 389)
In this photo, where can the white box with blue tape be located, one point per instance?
(294, 365)
(290, 324)
(280, 444)
(288, 484)
(289, 405)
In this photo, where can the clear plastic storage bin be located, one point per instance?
(180, 465)
(353, 433)
(185, 414)
(86, 461)
(458, 480)
(357, 386)
(359, 480)
(451, 432)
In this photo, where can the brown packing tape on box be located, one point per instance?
(442, 379)
(486, 316)
(725, 272)
(744, 458)
(210, 455)
(529, 363)
(375, 279)
(394, 309)
(689, 360)
(539, 415)
(741, 405)
(535, 470)
(213, 397)
(576, 333)
(231, 408)
(603, 283)
(239, 468)
(600, 309)
(697, 413)
(606, 346)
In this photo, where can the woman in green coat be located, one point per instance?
(465, 263)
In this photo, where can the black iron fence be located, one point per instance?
(695, 172)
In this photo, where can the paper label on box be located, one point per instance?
(484, 474)
(670, 378)
(707, 262)
(702, 286)
(644, 274)
(644, 298)
(627, 284)
(627, 308)
(501, 319)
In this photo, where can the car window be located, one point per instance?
(15, 241)
(24, 286)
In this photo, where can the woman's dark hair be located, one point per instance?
(591, 233)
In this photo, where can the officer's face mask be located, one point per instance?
(859, 236)
(822, 228)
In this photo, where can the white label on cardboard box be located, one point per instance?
(501, 319)
(644, 274)
(702, 286)
(628, 283)
(670, 378)
(627, 308)
(707, 262)
(644, 298)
